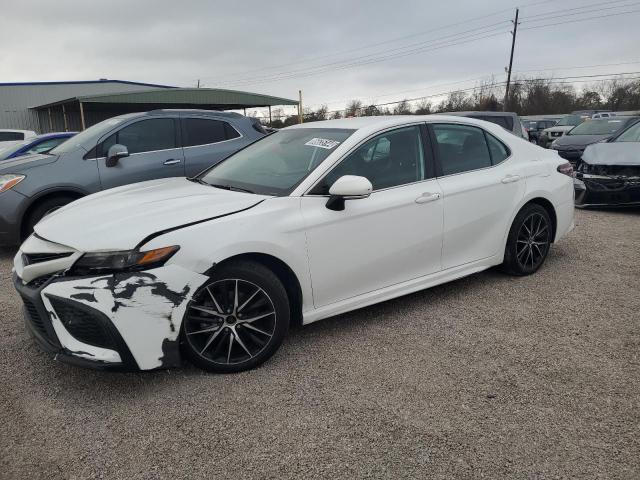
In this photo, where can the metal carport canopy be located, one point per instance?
(211, 98)
(79, 112)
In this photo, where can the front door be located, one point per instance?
(392, 236)
(154, 152)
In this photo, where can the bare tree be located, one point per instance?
(353, 108)
(402, 108)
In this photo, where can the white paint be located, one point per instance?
(392, 243)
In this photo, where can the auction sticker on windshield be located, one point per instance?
(322, 143)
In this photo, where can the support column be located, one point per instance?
(64, 117)
(270, 122)
(50, 123)
(82, 116)
(300, 116)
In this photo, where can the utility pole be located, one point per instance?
(513, 46)
(198, 84)
(300, 116)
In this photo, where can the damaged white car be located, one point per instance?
(312, 221)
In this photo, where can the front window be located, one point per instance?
(276, 164)
(95, 131)
(597, 127)
(632, 134)
(388, 160)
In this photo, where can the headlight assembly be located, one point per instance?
(9, 180)
(129, 260)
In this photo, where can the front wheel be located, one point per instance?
(528, 242)
(237, 320)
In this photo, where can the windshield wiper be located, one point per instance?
(231, 188)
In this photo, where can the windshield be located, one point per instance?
(276, 164)
(7, 151)
(92, 132)
(569, 121)
(632, 134)
(597, 127)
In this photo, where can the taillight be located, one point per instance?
(566, 169)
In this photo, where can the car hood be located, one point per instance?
(120, 218)
(577, 141)
(24, 162)
(616, 153)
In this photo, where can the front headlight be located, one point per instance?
(9, 180)
(129, 260)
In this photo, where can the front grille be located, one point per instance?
(36, 320)
(83, 323)
(33, 258)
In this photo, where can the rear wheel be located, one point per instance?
(237, 320)
(529, 241)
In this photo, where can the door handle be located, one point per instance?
(172, 161)
(510, 179)
(427, 197)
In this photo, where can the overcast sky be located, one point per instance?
(277, 47)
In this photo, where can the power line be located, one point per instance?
(342, 65)
(365, 58)
(375, 60)
(581, 20)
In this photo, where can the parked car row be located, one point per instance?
(37, 144)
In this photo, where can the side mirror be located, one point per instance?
(115, 153)
(348, 187)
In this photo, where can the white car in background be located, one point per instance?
(309, 222)
(10, 136)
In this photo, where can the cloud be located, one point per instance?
(223, 43)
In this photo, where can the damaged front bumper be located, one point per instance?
(606, 190)
(121, 321)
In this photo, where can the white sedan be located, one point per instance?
(309, 222)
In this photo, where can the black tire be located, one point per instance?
(227, 327)
(528, 242)
(41, 209)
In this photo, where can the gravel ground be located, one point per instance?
(489, 376)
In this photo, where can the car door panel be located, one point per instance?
(155, 161)
(393, 236)
(379, 241)
(477, 207)
(478, 196)
(208, 141)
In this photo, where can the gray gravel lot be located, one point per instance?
(489, 376)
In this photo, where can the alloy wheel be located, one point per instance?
(230, 321)
(532, 243)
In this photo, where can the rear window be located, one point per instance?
(11, 136)
(204, 131)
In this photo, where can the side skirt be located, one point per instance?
(400, 289)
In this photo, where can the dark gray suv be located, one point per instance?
(118, 151)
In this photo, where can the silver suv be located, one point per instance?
(118, 151)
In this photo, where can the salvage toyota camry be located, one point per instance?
(312, 221)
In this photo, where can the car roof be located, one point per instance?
(385, 121)
(480, 112)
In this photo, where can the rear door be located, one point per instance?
(154, 152)
(207, 141)
(480, 187)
